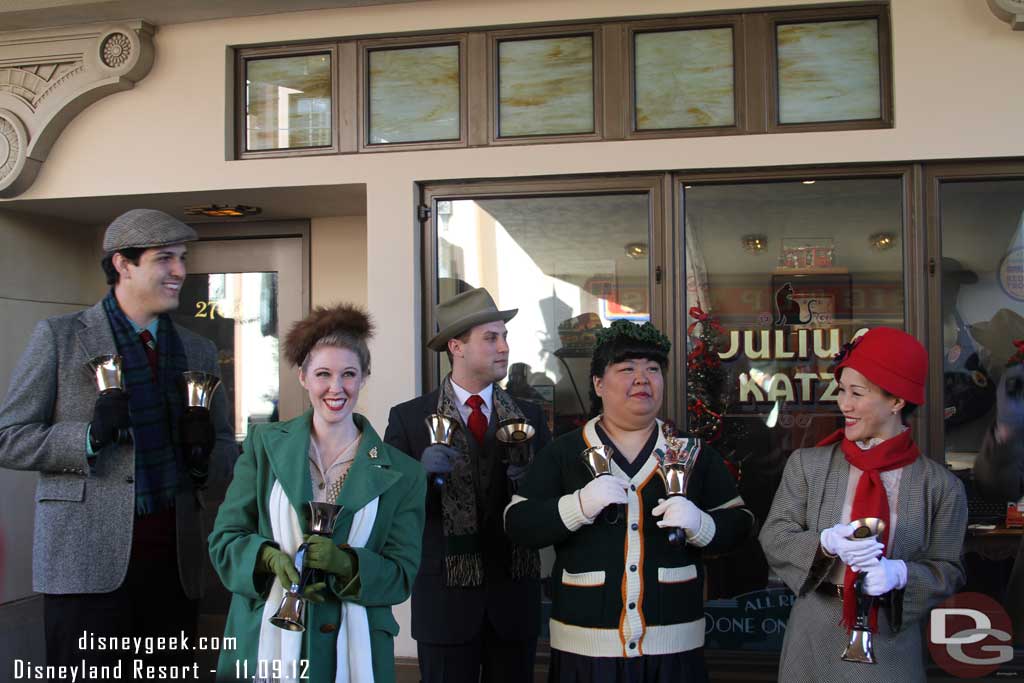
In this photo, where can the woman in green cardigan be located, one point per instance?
(329, 454)
(627, 604)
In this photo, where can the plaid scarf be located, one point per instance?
(155, 408)
(463, 563)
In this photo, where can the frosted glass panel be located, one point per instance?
(828, 71)
(546, 86)
(414, 94)
(684, 79)
(288, 102)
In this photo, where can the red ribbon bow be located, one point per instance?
(1019, 356)
(699, 316)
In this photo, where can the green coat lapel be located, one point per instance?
(370, 476)
(288, 452)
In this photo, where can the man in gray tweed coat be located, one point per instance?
(118, 548)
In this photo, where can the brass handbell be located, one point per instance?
(515, 435)
(440, 430)
(199, 388)
(860, 648)
(598, 459)
(291, 612)
(108, 373)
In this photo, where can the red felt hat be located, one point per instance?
(890, 358)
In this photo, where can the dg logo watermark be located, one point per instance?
(970, 636)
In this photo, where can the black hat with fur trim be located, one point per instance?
(343, 326)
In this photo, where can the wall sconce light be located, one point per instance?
(223, 210)
(754, 243)
(636, 250)
(881, 241)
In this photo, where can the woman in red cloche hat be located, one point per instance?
(870, 468)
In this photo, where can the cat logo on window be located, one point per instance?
(788, 309)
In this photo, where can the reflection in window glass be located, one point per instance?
(684, 79)
(546, 86)
(569, 264)
(414, 94)
(982, 306)
(238, 311)
(288, 102)
(828, 71)
(790, 270)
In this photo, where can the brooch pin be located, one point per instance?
(373, 453)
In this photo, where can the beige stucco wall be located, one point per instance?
(47, 268)
(955, 97)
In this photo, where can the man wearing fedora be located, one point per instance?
(476, 599)
(118, 548)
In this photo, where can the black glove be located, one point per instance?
(111, 420)
(197, 441)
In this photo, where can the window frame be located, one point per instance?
(658, 253)
(364, 48)
(242, 57)
(495, 38)
(879, 12)
(740, 72)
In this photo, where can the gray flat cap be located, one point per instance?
(145, 228)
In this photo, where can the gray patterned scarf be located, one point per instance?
(464, 565)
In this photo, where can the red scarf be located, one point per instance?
(869, 500)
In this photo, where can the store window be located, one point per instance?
(981, 316)
(570, 264)
(786, 272)
(414, 94)
(288, 102)
(684, 79)
(546, 86)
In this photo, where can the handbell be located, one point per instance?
(291, 612)
(108, 372)
(440, 430)
(598, 459)
(514, 432)
(867, 527)
(860, 648)
(323, 517)
(199, 388)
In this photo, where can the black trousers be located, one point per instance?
(150, 603)
(485, 659)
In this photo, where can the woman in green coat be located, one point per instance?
(329, 454)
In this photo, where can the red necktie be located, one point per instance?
(149, 344)
(477, 422)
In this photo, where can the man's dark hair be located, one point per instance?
(464, 337)
(113, 277)
(616, 350)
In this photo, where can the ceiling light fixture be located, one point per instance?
(882, 241)
(808, 182)
(754, 243)
(223, 210)
(636, 250)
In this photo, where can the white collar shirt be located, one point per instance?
(487, 394)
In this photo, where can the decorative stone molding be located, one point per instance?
(48, 76)
(1010, 11)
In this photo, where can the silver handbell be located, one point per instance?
(323, 517)
(199, 388)
(860, 649)
(598, 460)
(291, 613)
(515, 436)
(108, 373)
(440, 430)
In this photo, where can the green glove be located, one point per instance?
(274, 561)
(321, 553)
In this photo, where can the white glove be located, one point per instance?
(885, 575)
(852, 551)
(677, 512)
(600, 493)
